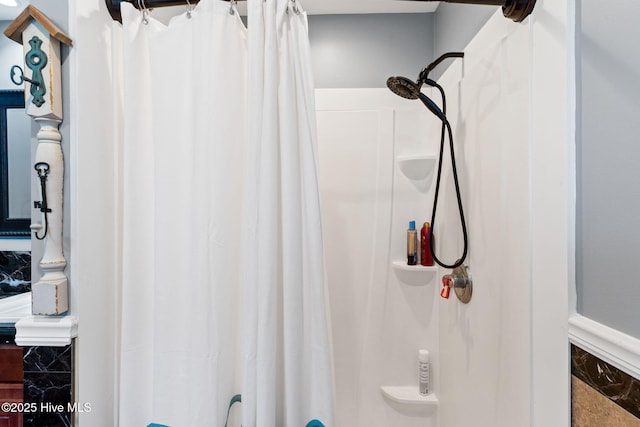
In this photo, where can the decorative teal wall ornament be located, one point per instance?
(36, 60)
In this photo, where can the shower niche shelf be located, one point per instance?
(408, 395)
(414, 274)
(417, 167)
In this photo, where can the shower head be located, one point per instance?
(408, 89)
(404, 87)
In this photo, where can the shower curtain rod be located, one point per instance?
(113, 6)
(516, 10)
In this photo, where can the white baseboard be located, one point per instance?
(610, 345)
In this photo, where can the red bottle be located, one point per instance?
(425, 246)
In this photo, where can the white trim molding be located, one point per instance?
(551, 41)
(608, 344)
(46, 331)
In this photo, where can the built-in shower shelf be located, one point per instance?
(402, 265)
(417, 167)
(414, 274)
(408, 395)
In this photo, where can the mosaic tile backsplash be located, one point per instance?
(15, 273)
(602, 395)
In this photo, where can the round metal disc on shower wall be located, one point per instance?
(463, 292)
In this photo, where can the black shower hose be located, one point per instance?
(446, 126)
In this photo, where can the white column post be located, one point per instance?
(43, 99)
(49, 294)
(41, 40)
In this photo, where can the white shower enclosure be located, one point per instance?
(501, 360)
(381, 311)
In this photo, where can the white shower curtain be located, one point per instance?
(222, 288)
(287, 379)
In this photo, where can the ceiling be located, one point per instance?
(313, 7)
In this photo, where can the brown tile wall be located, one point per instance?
(602, 395)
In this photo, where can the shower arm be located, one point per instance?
(516, 10)
(424, 74)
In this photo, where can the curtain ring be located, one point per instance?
(296, 9)
(145, 11)
(232, 5)
(189, 9)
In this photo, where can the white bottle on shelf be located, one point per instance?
(424, 383)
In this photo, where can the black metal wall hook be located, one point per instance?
(42, 169)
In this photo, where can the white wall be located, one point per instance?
(504, 356)
(486, 345)
(381, 317)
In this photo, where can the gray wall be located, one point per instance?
(356, 51)
(10, 55)
(454, 27)
(352, 51)
(608, 161)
